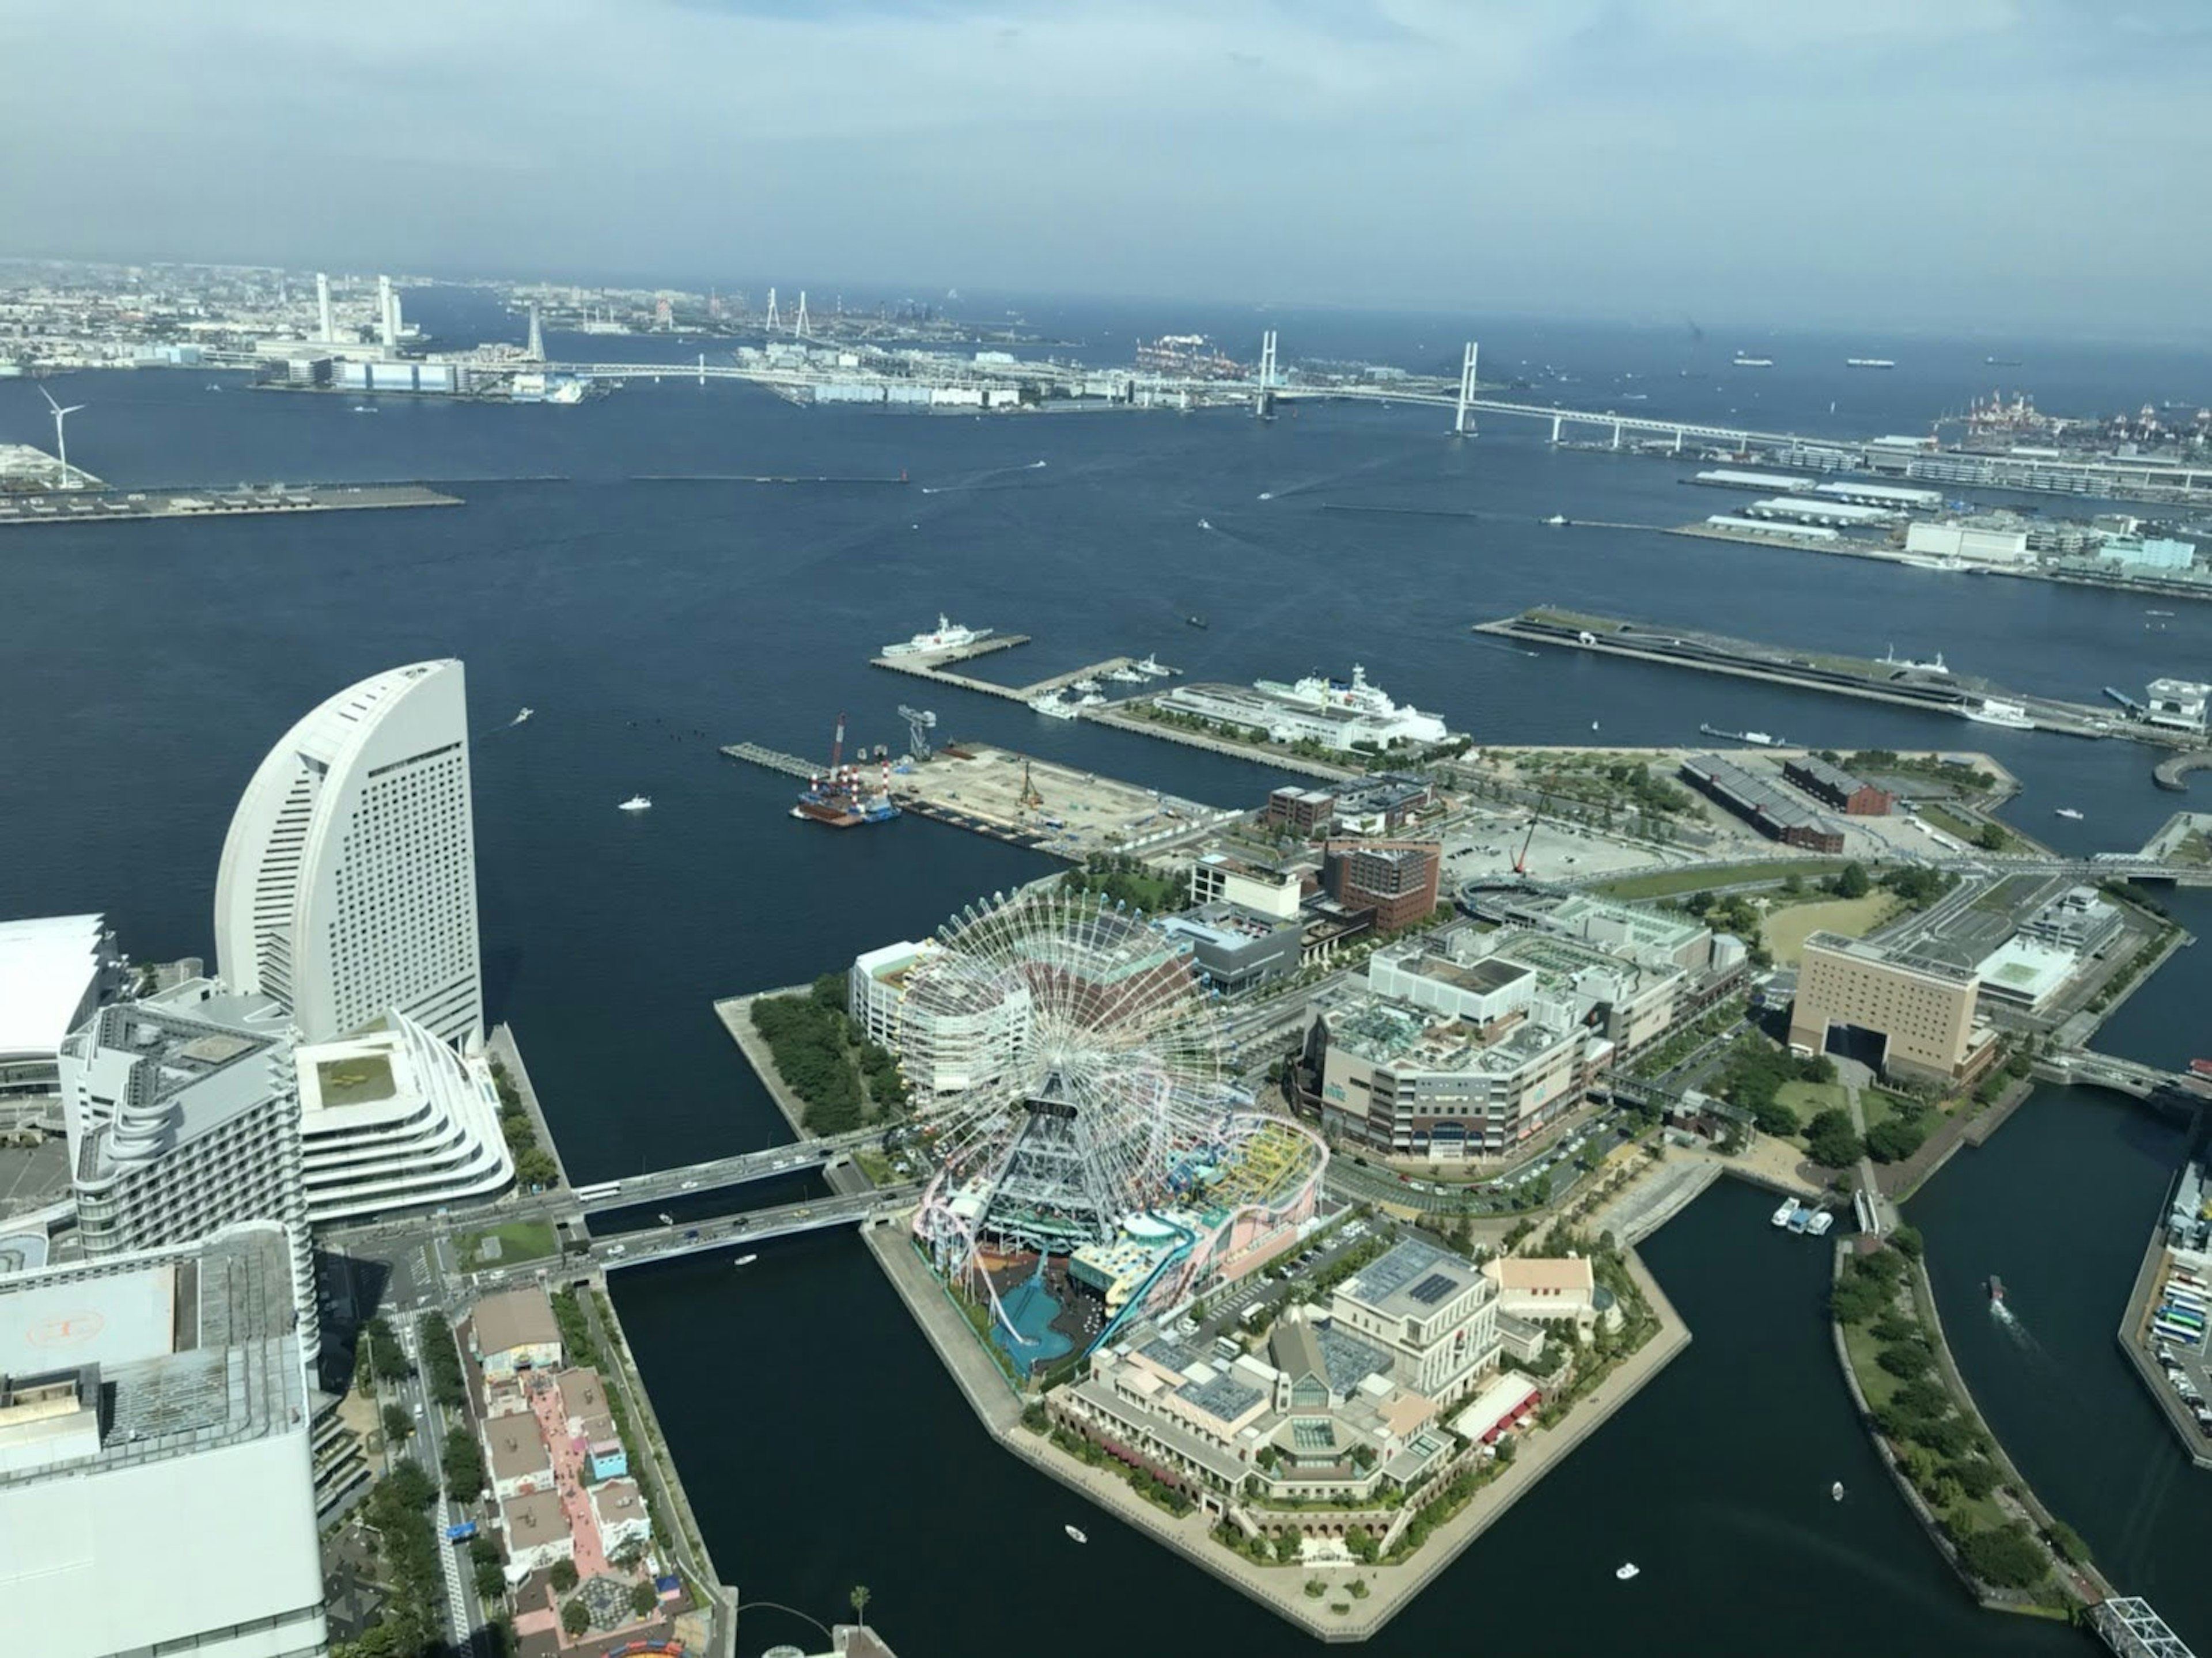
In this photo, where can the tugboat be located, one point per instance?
(1996, 1287)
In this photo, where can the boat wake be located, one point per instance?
(998, 477)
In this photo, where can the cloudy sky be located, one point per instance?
(2007, 163)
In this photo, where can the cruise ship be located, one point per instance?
(1355, 695)
(950, 635)
(2011, 715)
(1743, 361)
(1868, 362)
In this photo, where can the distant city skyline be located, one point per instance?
(1987, 164)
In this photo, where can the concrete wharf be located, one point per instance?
(933, 669)
(267, 500)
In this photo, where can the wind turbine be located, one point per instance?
(61, 433)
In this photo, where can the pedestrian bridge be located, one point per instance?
(2132, 1629)
(875, 1208)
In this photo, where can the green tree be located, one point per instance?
(491, 1582)
(2067, 1542)
(563, 1576)
(1830, 1139)
(398, 1426)
(575, 1618)
(462, 1464)
(2004, 1556)
(1907, 1240)
(1991, 837)
(387, 1359)
(1894, 1139)
(1975, 1477)
(1907, 1360)
(644, 1600)
(1851, 881)
(858, 1598)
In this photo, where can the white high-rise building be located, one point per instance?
(325, 331)
(183, 1117)
(347, 885)
(156, 1485)
(387, 313)
(394, 1118)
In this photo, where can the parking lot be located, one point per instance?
(1485, 843)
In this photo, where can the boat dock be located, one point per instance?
(1907, 684)
(268, 501)
(791, 765)
(935, 668)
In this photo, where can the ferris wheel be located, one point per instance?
(1069, 1068)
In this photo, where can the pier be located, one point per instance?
(934, 669)
(1905, 683)
(266, 500)
(791, 765)
(2172, 774)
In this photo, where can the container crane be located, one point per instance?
(919, 722)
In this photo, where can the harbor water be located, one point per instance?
(648, 621)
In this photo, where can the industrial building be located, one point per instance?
(1397, 880)
(1651, 936)
(1832, 785)
(1762, 802)
(2080, 919)
(54, 972)
(1805, 509)
(156, 1483)
(348, 881)
(1728, 478)
(1985, 544)
(1888, 497)
(1920, 1010)
(2148, 555)
(1735, 523)
(183, 1116)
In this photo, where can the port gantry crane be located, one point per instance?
(919, 722)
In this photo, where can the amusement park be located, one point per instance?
(1092, 1156)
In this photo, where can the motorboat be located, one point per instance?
(2068, 813)
(1783, 1215)
(1836, 1491)
(364, 409)
(1626, 1570)
(1086, 687)
(1996, 1287)
(635, 803)
(1557, 519)
(1151, 667)
(524, 715)
(744, 1260)
(1053, 708)
(1818, 1226)
(1204, 524)
(1075, 1534)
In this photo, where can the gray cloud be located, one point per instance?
(2008, 162)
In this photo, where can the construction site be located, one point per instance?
(1034, 803)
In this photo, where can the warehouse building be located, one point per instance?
(1762, 803)
(1832, 785)
(1805, 509)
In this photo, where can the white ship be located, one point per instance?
(1087, 687)
(2068, 813)
(1923, 562)
(1626, 1570)
(1868, 362)
(1742, 361)
(1075, 1534)
(524, 715)
(950, 635)
(1126, 677)
(1356, 695)
(1152, 669)
(1050, 706)
(1786, 1213)
(635, 803)
(1994, 712)
(1556, 520)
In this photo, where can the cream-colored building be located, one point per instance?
(1924, 1011)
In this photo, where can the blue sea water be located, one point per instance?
(148, 666)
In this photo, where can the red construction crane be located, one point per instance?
(1521, 861)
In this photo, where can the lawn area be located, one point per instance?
(1673, 883)
(1786, 929)
(1808, 1100)
(354, 1079)
(1949, 822)
(518, 1240)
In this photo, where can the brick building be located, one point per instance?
(1395, 879)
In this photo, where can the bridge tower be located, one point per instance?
(536, 349)
(1461, 423)
(1263, 399)
(772, 320)
(798, 322)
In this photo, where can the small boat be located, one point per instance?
(1786, 1212)
(1204, 524)
(1996, 1287)
(1075, 1534)
(1593, 725)
(1195, 622)
(2069, 812)
(522, 716)
(1558, 519)
(1818, 1226)
(744, 1260)
(364, 409)
(2157, 612)
(2202, 1067)
(635, 803)
(1626, 1570)
(1802, 1218)
(212, 386)
(1836, 1491)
